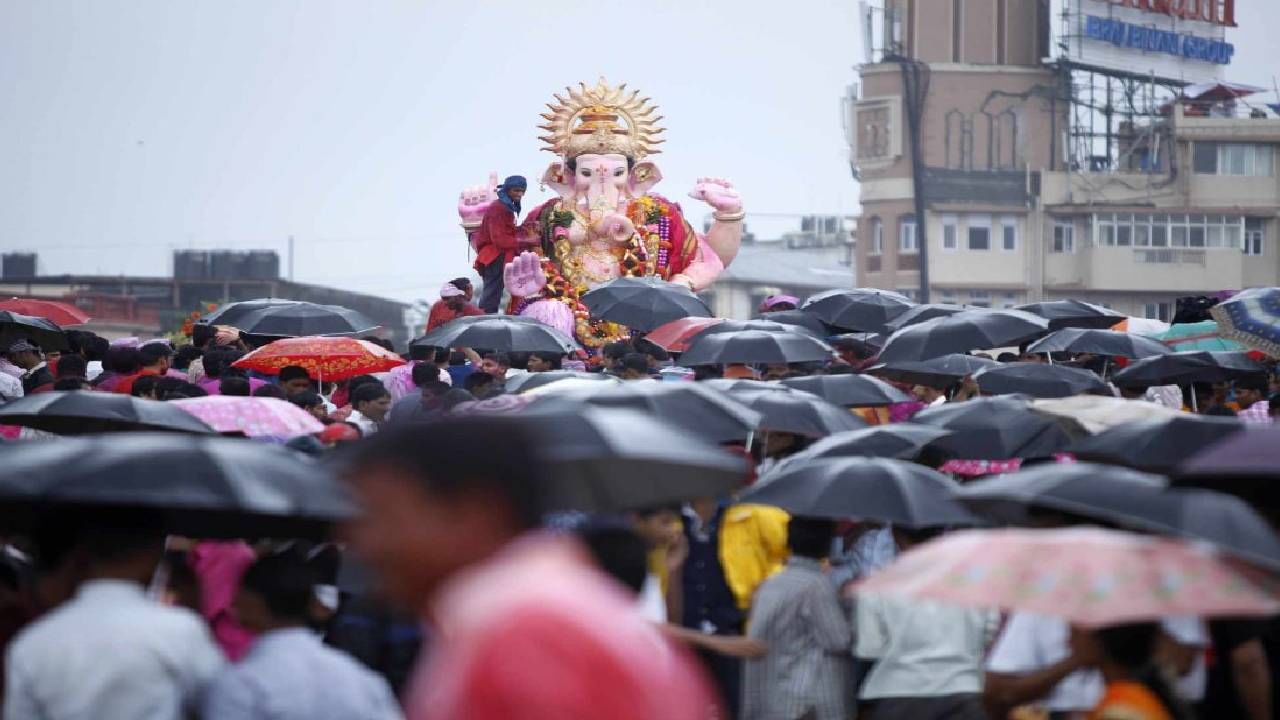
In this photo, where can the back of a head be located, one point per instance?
(455, 397)
(306, 399)
(617, 350)
(1256, 382)
(169, 388)
(144, 385)
(68, 384)
(285, 583)
(477, 381)
(293, 372)
(217, 360)
(619, 551)
(359, 380)
(810, 537)
(122, 360)
(456, 457)
(368, 392)
(186, 355)
(151, 354)
(234, 386)
(636, 362)
(271, 391)
(652, 350)
(202, 334)
(425, 372)
(72, 366)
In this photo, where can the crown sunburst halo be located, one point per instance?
(586, 121)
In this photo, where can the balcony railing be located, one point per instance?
(1169, 256)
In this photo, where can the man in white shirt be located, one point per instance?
(928, 656)
(110, 651)
(10, 388)
(289, 674)
(370, 404)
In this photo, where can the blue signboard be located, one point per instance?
(1141, 37)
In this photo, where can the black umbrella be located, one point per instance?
(1245, 464)
(1110, 343)
(234, 313)
(1179, 368)
(795, 411)
(503, 333)
(879, 489)
(977, 329)
(800, 318)
(614, 459)
(1127, 499)
(862, 309)
(939, 372)
(697, 409)
(999, 428)
(903, 441)
(304, 319)
(754, 346)
(83, 413)
(643, 303)
(41, 331)
(197, 486)
(1158, 446)
(1037, 380)
(761, 324)
(849, 390)
(1073, 313)
(921, 313)
(732, 385)
(530, 381)
(865, 344)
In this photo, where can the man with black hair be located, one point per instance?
(27, 356)
(399, 380)
(144, 386)
(370, 403)
(234, 386)
(534, 630)
(311, 401)
(454, 302)
(110, 651)
(294, 379)
(797, 616)
(289, 674)
(544, 361)
(655, 353)
(634, 366)
(612, 355)
(496, 364)
(1251, 395)
(69, 367)
(426, 379)
(186, 355)
(271, 391)
(482, 385)
(153, 359)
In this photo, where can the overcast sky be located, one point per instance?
(133, 127)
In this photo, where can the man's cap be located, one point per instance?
(515, 181)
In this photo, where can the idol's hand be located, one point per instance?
(475, 200)
(524, 275)
(718, 193)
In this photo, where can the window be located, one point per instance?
(949, 297)
(1009, 234)
(979, 233)
(1010, 300)
(1064, 236)
(1239, 159)
(1253, 236)
(950, 231)
(877, 237)
(908, 242)
(1158, 311)
(1141, 230)
(980, 298)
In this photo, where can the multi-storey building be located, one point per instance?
(1017, 150)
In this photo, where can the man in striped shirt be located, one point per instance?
(806, 671)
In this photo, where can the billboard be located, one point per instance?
(1174, 40)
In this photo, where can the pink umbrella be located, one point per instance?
(251, 416)
(1087, 576)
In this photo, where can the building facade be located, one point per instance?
(997, 167)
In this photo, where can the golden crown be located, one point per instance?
(587, 121)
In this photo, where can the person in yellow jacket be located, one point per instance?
(726, 552)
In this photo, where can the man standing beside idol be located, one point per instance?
(496, 238)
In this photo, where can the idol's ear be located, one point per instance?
(557, 178)
(643, 177)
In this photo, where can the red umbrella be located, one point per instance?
(59, 312)
(675, 335)
(325, 358)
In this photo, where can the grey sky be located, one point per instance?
(132, 127)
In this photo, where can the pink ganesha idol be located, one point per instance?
(606, 223)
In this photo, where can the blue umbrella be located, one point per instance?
(1251, 318)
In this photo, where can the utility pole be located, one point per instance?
(290, 258)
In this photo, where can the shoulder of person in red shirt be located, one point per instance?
(125, 386)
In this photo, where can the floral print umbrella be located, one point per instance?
(1086, 576)
(325, 358)
(252, 416)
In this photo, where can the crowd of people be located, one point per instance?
(457, 593)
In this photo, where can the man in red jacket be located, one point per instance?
(496, 240)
